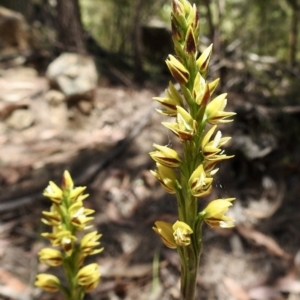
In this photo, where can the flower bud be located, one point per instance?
(190, 42)
(67, 182)
(203, 61)
(178, 70)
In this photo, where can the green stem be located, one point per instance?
(190, 259)
(190, 264)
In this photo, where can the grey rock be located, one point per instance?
(20, 119)
(54, 98)
(75, 75)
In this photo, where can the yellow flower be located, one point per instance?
(167, 178)
(50, 257)
(215, 111)
(79, 215)
(214, 213)
(66, 240)
(76, 194)
(52, 217)
(182, 233)
(166, 156)
(89, 242)
(50, 236)
(47, 282)
(170, 102)
(201, 90)
(165, 231)
(88, 277)
(199, 183)
(53, 192)
(174, 235)
(210, 149)
(185, 127)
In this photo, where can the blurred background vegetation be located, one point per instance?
(136, 33)
(256, 43)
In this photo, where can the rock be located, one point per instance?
(14, 34)
(20, 119)
(54, 97)
(75, 75)
(85, 106)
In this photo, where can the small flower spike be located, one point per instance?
(67, 218)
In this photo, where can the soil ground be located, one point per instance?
(107, 150)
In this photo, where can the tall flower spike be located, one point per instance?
(68, 217)
(190, 175)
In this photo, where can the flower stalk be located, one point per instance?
(189, 173)
(68, 217)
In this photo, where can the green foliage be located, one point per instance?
(263, 26)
